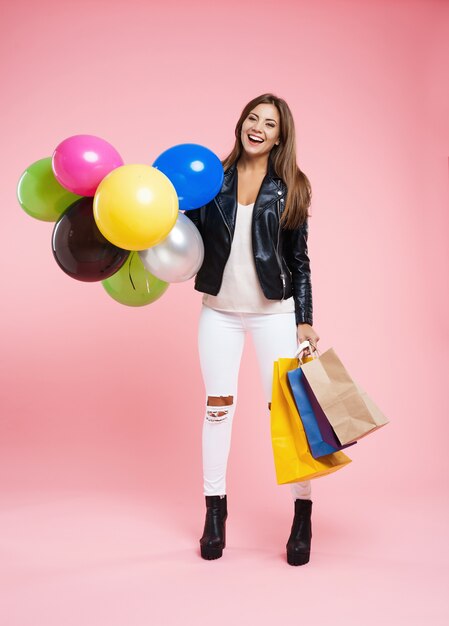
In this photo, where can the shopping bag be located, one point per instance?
(320, 434)
(350, 411)
(292, 458)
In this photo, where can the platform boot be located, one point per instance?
(298, 544)
(214, 535)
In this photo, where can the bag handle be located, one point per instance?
(302, 346)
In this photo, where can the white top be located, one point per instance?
(240, 289)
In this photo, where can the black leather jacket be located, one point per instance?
(280, 255)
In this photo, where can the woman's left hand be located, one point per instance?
(306, 332)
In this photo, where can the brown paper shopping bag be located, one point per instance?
(350, 411)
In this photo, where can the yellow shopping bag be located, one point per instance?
(292, 457)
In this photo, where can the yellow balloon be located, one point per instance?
(135, 206)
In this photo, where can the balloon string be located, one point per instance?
(129, 272)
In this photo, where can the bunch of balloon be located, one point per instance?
(122, 224)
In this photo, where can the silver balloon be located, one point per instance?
(179, 256)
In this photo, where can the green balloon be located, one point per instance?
(39, 193)
(133, 284)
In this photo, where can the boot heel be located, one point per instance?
(207, 552)
(297, 559)
(211, 553)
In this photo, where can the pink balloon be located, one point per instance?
(81, 162)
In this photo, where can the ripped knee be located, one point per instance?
(269, 406)
(216, 411)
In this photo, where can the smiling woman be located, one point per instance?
(255, 278)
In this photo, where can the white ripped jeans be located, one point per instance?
(221, 337)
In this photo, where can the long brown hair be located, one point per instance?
(283, 158)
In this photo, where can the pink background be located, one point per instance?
(102, 405)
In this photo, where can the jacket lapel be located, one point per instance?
(227, 198)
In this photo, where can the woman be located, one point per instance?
(255, 277)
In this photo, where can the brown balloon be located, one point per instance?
(80, 249)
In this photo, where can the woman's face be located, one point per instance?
(262, 122)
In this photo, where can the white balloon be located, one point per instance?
(179, 256)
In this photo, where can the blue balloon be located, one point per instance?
(195, 171)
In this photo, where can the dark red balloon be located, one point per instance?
(80, 249)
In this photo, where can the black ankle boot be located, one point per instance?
(298, 544)
(214, 535)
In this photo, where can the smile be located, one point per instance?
(255, 139)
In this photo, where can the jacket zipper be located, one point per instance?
(226, 224)
(277, 252)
